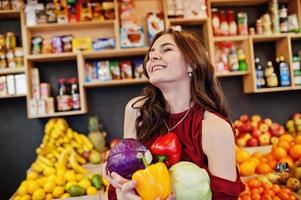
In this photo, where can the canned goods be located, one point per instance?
(10, 40)
(3, 63)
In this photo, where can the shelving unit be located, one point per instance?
(12, 96)
(115, 83)
(58, 114)
(7, 71)
(9, 14)
(51, 57)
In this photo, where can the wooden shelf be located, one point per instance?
(51, 57)
(184, 21)
(275, 89)
(12, 96)
(77, 25)
(230, 38)
(114, 83)
(111, 53)
(227, 74)
(9, 14)
(7, 71)
(268, 38)
(58, 114)
(295, 36)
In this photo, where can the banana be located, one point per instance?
(75, 165)
(63, 158)
(86, 141)
(45, 160)
(80, 159)
(36, 167)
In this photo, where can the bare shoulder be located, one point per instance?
(135, 103)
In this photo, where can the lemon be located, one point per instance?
(32, 175)
(60, 180)
(66, 195)
(104, 181)
(49, 171)
(70, 183)
(22, 190)
(58, 191)
(70, 176)
(49, 197)
(91, 190)
(33, 186)
(85, 183)
(49, 186)
(26, 197)
(79, 177)
(39, 194)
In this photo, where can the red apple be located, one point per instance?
(245, 128)
(268, 121)
(296, 116)
(252, 142)
(237, 123)
(256, 132)
(256, 118)
(244, 118)
(254, 124)
(263, 127)
(264, 139)
(276, 129)
(113, 143)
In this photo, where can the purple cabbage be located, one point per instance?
(123, 159)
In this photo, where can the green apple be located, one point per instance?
(95, 157)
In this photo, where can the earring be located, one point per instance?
(190, 74)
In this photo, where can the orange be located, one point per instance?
(242, 156)
(284, 144)
(247, 169)
(266, 197)
(256, 196)
(263, 159)
(276, 198)
(272, 163)
(276, 188)
(288, 160)
(295, 151)
(286, 137)
(263, 168)
(278, 153)
(257, 155)
(297, 139)
(255, 161)
(253, 183)
(246, 197)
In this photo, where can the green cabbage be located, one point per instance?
(189, 181)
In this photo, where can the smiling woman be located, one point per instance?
(183, 97)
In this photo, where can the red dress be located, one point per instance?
(190, 134)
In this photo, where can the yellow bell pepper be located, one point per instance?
(153, 181)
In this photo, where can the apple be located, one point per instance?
(252, 142)
(95, 157)
(86, 154)
(290, 124)
(256, 118)
(256, 132)
(241, 142)
(244, 118)
(247, 136)
(264, 139)
(113, 143)
(274, 140)
(296, 116)
(245, 128)
(254, 124)
(276, 129)
(267, 121)
(297, 121)
(237, 123)
(263, 127)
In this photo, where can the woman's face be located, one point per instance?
(166, 62)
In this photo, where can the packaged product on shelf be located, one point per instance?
(36, 45)
(293, 24)
(194, 9)
(10, 84)
(103, 43)
(97, 13)
(104, 71)
(224, 26)
(242, 23)
(260, 82)
(155, 24)
(73, 12)
(41, 17)
(41, 107)
(10, 56)
(132, 36)
(64, 99)
(2, 42)
(274, 14)
(61, 11)
(6, 5)
(33, 107)
(243, 66)
(259, 26)
(67, 43)
(85, 12)
(296, 64)
(127, 12)
(35, 83)
(297, 77)
(175, 8)
(3, 63)
(283, 72)
(57, 44)
(31, 9)
(19, 57)
(115, 70)
(3, 90)
(108, 10)
(95, 74)
(221, 57)
(17, 4)
(283, 19)
(49, 105)
(271, 77)
(138, 68)
(266, 22)
(126, 69)
(82, 44)
(233, 58)
(47, 46)
(215, 21)
(11, 41)
(231, 22)
(51, 13)
(20, 81)
(74, 93)
(88, 72)
(44, 90)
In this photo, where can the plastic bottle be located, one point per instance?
(75, 93)
(233, 58)
(271, 77)
(243, 66)
(283, 72)
(260, 82)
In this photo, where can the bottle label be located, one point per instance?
(75, 101)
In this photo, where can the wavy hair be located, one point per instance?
(205, 88)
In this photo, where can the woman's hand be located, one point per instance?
(124, 187)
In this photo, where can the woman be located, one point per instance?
(184, 97)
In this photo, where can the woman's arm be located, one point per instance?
(130, 116)
(219, 146)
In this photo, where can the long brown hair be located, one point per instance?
(205, 88)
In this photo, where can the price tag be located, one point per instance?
(282, 167)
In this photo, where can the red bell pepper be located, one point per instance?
(167, 148)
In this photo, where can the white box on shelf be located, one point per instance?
(41, 106)
(20, 81)
(11, 88)
(35, 82)
(33, 107)
(3, 90)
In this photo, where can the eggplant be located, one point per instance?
(123, 158)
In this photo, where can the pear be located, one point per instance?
(273, 178)
(293, 184)
(264, 179)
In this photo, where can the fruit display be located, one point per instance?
(293, 125)
(57, 171)
(255, 131)
(262, 189)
